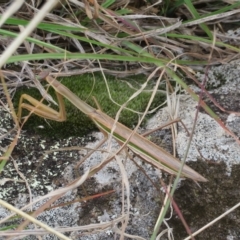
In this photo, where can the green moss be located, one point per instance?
(85, 87)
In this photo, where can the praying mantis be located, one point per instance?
(141, 146)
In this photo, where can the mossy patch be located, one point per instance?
(86, 86)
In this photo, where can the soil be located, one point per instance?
(202, 204)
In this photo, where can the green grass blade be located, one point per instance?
(195, 14)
